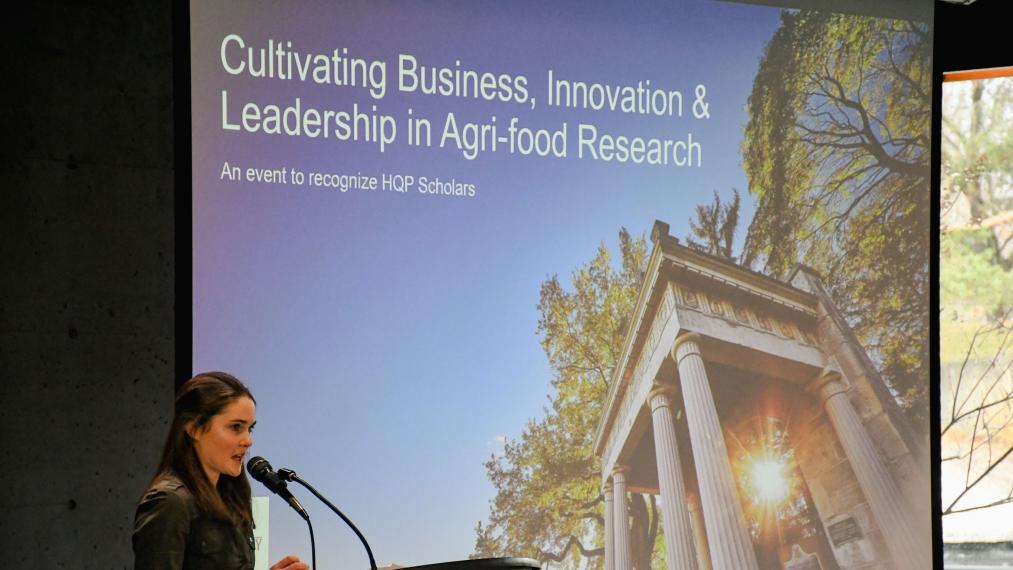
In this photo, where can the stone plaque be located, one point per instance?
(844, 531)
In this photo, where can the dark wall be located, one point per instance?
(86, 293)
(972, 37)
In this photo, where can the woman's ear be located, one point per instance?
(191, 430)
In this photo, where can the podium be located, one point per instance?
(482, 564)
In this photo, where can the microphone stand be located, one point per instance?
(289, 475)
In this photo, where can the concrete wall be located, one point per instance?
(86, 293)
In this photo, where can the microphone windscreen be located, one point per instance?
(258, 468)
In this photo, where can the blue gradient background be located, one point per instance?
(390, 339)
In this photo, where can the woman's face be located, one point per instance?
(224, 441)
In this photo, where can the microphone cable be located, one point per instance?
(313, 544)
(290, 475)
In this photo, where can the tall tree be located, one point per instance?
(836, 151)
(715, 226)
(977, 164)
(548, 502)
(977, 412)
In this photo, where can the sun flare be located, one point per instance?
(768, 480)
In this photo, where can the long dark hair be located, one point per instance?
(198, 400)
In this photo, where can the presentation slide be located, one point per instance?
(604, 285)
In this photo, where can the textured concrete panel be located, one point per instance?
(86, 298)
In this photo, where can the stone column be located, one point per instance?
(703, 557)
(909, 549)
(674, 513)
(727, 533)
(609, 533)
(623, 558)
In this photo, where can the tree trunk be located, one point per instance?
(644, 531)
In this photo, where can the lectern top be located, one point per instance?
(483, 564)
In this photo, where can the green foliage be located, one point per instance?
(715, 226)
(976, 285)
(836, 152)
(548, 502)
(972, 283)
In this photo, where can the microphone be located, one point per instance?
(262, 471)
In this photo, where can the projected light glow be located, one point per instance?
(768, 479)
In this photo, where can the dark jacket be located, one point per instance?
(172, 533)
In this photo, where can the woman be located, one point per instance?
(196, 514)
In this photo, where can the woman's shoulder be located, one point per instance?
(168, 482)
(167, 493)
(162, 524)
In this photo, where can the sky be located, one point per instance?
(390, 338)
